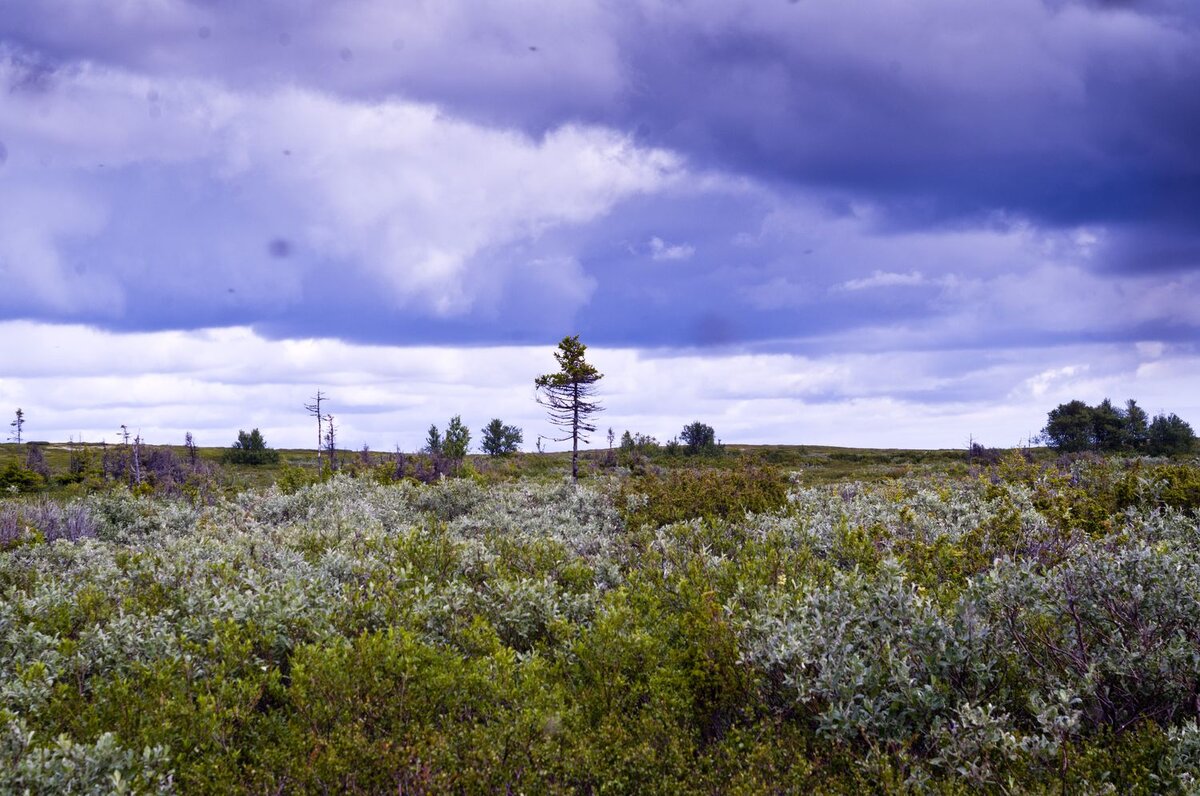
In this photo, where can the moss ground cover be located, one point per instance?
(1029, 626)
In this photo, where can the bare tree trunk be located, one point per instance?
(137, 459)
(575, 437)
(315, 409)
(331, 441)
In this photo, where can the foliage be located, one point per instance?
(1169, 435)
(101, 767)
(15, 478)
(1028, 627)
(569, 395)
(1069, 427)
(1073, 427)
(433, 440)
(499, 439)
(251, 448)
(699, 437)
(703, 493)
(456, 440)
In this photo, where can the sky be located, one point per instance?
(879, 223)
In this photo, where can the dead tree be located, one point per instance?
(137, 459)
(331, 441)
(314, 409)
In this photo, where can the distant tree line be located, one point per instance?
(569, 395)
(1075, 426)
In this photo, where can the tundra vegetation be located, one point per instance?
(771, 620)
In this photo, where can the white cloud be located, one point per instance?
(1038, 385)
(661, 250)
(884, 279)
(397, 191)
(72, 381)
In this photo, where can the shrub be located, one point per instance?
(685, 494)
(1028, 629)
(251, 448)
(14, 478)
(65, 766)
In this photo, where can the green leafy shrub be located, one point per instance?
(65, 766)
(14, 479)
(680, 495)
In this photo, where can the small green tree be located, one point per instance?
(456, 441)
(1069, 427)
(699, 438)
(15, 478)
(433, 440)
(1135, 428)
(1108, 424)
(569, 396)
(499, 439)
(251, 448)
(1170, 435)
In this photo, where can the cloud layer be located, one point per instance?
(813, 179)
(75, 382)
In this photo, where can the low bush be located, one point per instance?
(1028, 628)
(678, 495)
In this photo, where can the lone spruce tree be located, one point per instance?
(569, 396)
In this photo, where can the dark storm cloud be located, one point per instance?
(878, 173)
(1065, 112)
(1064, 117)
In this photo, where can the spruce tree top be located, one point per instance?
(573, 369)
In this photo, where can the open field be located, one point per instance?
(812, 464)
(774, 620)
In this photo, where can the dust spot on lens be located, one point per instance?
(397, 44)
(285, 39)
(280, 248)
(204, 31)
(346, 54)
(3, 153)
